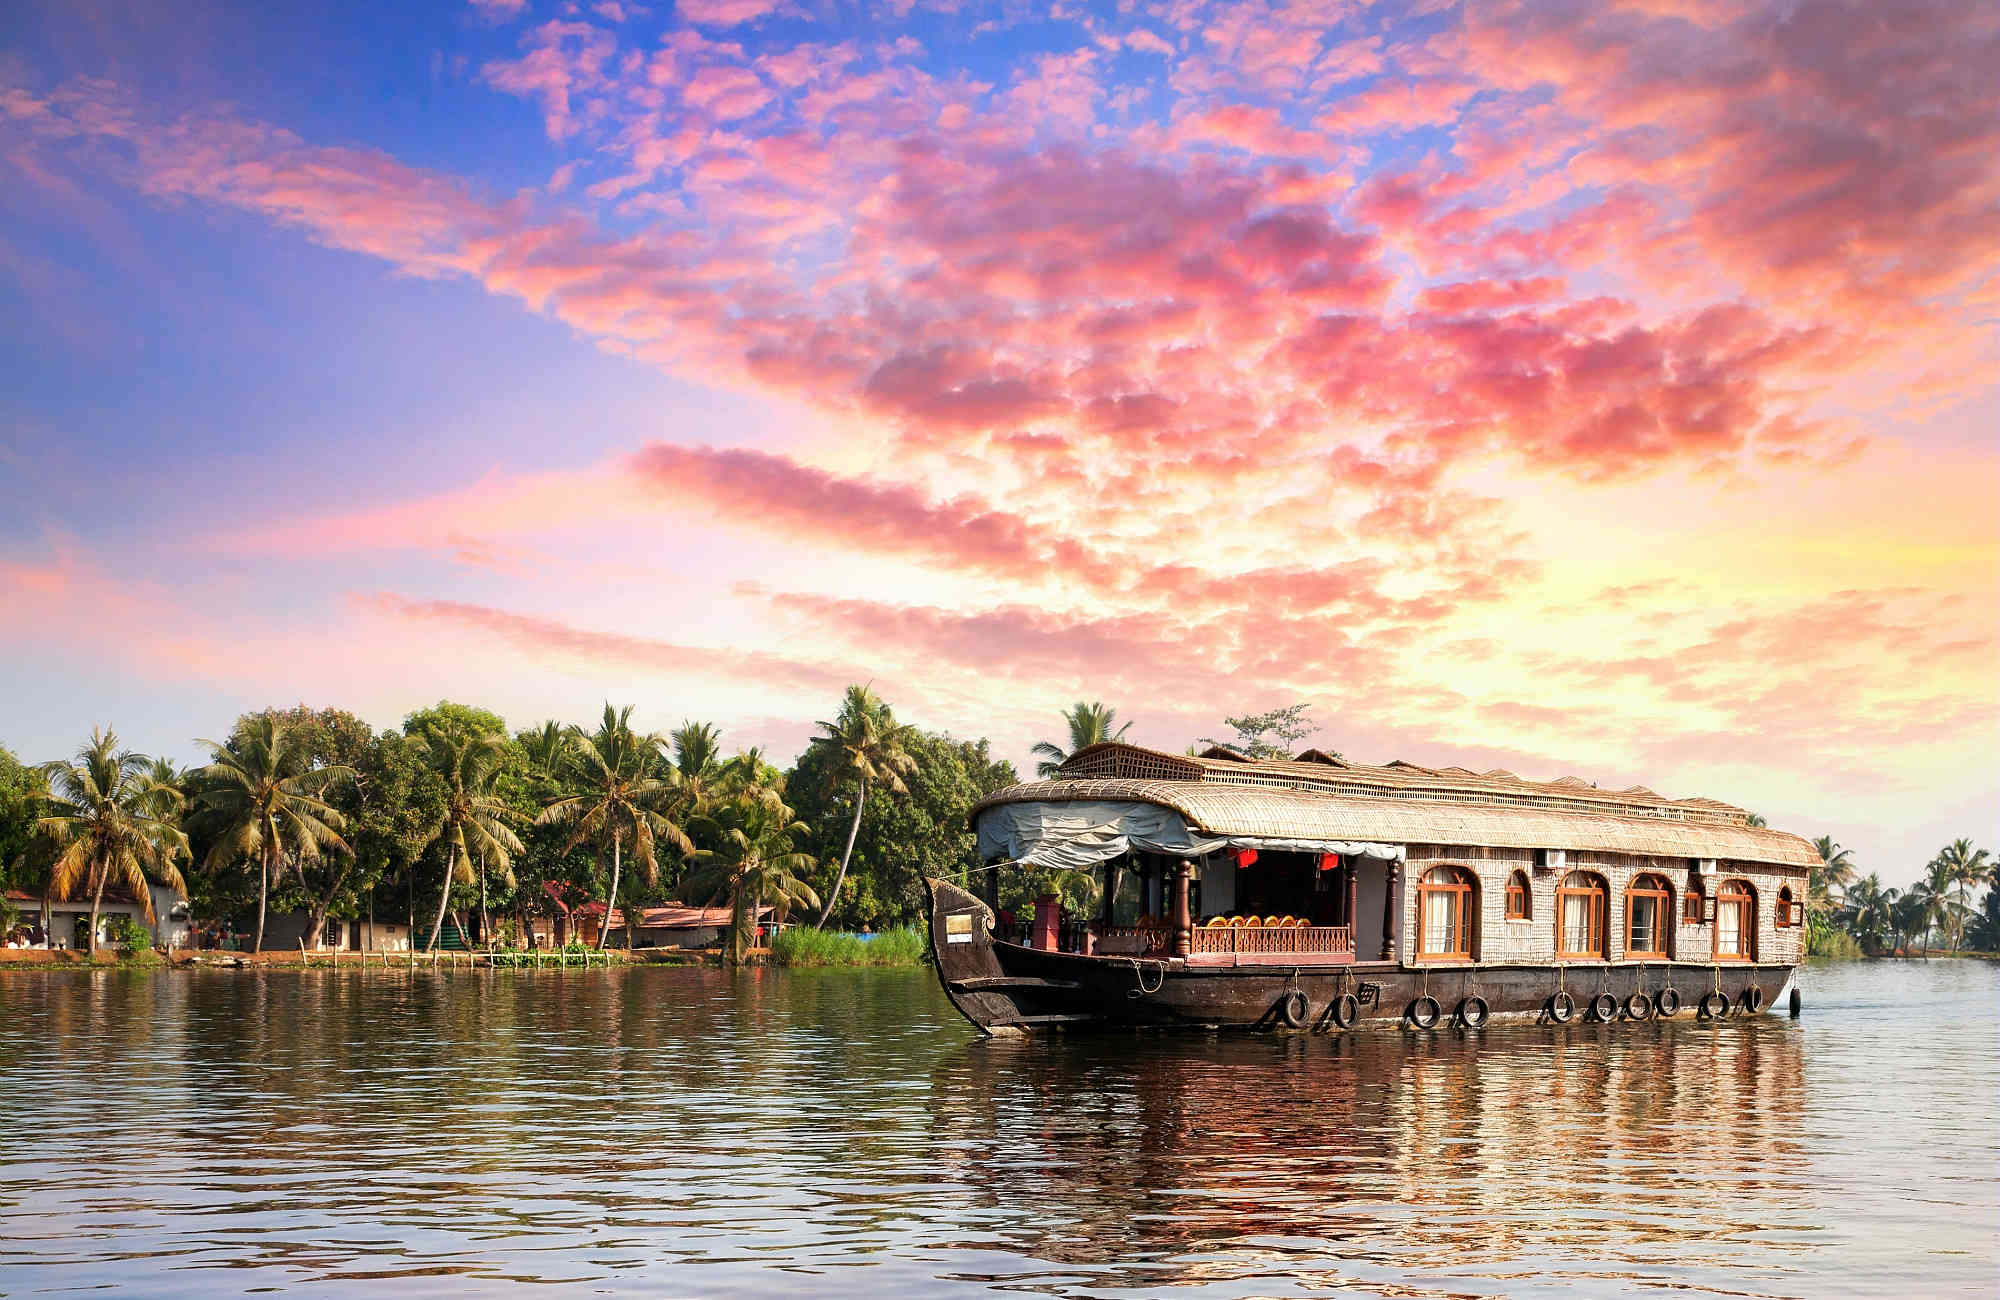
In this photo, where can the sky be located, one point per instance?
(1603, 388)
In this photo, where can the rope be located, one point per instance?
(1139, 974)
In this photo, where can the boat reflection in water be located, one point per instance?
(1372, 1159)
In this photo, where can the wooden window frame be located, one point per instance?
(1517, 886)
(1694, 899)
(1464, 886)
(1737, 893)
(1599, 890)
(1651, 885)
(1787, 914)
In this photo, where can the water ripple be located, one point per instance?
(675, 1132)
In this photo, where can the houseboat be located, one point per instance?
(1316, 893)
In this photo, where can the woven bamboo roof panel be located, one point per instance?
(1320, 772)
(1229, 809)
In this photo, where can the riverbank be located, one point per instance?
(798, 947)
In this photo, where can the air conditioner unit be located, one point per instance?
(1703, 866)
(1550, 860)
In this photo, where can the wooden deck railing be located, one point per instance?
(1316, 939)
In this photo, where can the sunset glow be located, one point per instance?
(1605, 389)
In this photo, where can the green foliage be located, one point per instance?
(1825, 940)
(1983, 934)
(130, 937)
(899, 840)
(804, 946)
(1089, 724)
(21, 788)
(446, 718)
(1269, 735)
(755, 861)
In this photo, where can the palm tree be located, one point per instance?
(867, 744)
(1931, 902)
(1836, 871)
(1966, 867)
(111, 822)
(1868, 911)
(756, 861)
(547, 748)
(264, 794)
(625, 790)
(1089, 724)
(474, 824)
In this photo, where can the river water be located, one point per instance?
(684, 1132)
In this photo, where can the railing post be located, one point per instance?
(1391, 895)
(1183, 938)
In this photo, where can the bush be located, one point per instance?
(1832, 943)
(130, 937)
(804, 946)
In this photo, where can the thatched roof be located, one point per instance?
(1405, 804)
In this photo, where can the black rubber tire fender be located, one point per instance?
(1471, 1012)
(1560, 1007)
(1666, 1002)
(1753, 999)
(1292, 1010)
(1602, 1009)
(1346, 1010)
(1417, 1014)
(1713, 1006)
(1638, 1007)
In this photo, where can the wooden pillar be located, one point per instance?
(1391, 895)
(1183, 919)
(1347, 917)
(1105, 913)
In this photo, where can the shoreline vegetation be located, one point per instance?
(455, 834)
(903, 947)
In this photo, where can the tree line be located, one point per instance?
(1849, 914)
(452, 815)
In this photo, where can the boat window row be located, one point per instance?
(1448, 915)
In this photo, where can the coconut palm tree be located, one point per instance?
(756, 860)
(1836, 871)
(624, 792)
(1089, 724)
(473, 827)
(1932, 906)
(110, 822)
(1966, 868)
(1868, 912)
(547, 748)
(868, 749)
(263, 795)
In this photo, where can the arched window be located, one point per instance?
(1787, 914)
(1735, 921)
(1517, 896)
(1447, 911)
(1580, 916)
(1693, 901)
(1649, 912)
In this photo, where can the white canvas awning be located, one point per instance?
(1077, 834)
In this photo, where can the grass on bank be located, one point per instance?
(804, 946)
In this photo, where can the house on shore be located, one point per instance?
(65, 922)
(283, 932)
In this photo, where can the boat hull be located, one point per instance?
(1007, 989)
